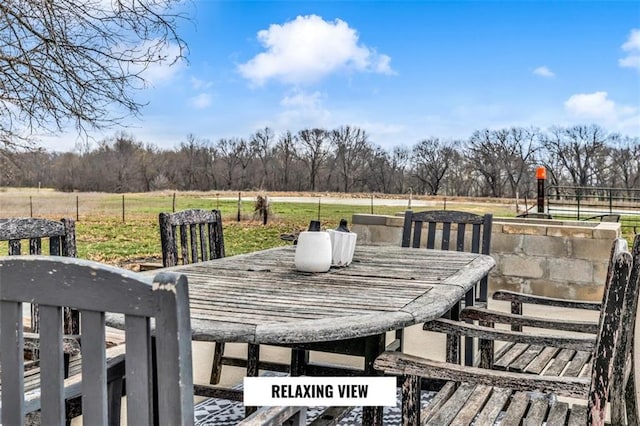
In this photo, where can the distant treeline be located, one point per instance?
(494, 163)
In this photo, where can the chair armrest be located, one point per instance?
(398, 363)
(276, 416)
(511, 296)
(457, 328)
(481, 314)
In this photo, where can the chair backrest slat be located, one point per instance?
(479, 228)
(14, 248)
(460, 237)
(202, 232)
(446, 235)
(52, 365)
(12, 356)
(193, 236)
(140, 391)
(96, 289)
(35, 246)
(94, 365)
(200, 236)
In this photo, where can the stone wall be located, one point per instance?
(555, 258)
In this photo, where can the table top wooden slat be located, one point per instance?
(259, 297)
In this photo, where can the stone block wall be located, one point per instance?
(566, 259)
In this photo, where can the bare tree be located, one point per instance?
(431, 160)
(380, 174)
(285, 152)
(400, 156)
(352, 153)
(314, 148)
(579, 150)
(484, 154)
(193, 161)
(70, 62)
(121, 162)
(234, 152)
(518, 147)
(626, 162)
(261, 144)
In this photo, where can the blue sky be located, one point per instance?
(401, 70)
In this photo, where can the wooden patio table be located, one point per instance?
(261, 298)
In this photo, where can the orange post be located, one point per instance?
(541, 175)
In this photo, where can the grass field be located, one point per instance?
(103, 235)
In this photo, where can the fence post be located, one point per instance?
(77, 208)
(265, 213)
(319, 198)
(239, 204)
(30, 206)
(610, 200)
(371, 203)
(173, 203)
(122, 208)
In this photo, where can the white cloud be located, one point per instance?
(599, 108)
(632, 46)
(198, 84)
(303, 110)
(591, 105)
(309, 48)
(201, 101)
(543, 71)
(299, 99)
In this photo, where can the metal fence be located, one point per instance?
(591, 203)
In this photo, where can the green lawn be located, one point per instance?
(102, 234)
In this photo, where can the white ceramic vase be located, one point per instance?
(313, 252)
(343, 244)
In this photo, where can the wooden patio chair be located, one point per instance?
(192, 236)
(540, 358)
(472, 234)
(96, 290)
(57, 238)
(482, 395)
(449, 230)
(27, 235)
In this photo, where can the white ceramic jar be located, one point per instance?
(343, 244)
(313, 252)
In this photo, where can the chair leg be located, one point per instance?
(453, 342)
(216, 369)
(486, 348)
(411, 400)
(253, 359)
(299, 361)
